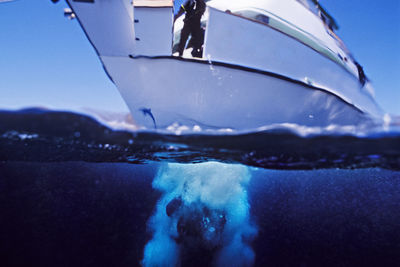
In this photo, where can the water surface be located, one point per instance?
(76, 192)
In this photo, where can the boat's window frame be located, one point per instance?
(244, 17)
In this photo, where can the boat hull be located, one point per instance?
(204, 95)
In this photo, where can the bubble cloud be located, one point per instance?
(203, 214)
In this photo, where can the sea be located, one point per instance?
(79, 189)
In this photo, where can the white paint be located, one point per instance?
(189, 93)
(267, 49)
(153, 27)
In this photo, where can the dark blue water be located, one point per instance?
(74, 192)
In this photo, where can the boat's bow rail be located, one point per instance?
(153, 3)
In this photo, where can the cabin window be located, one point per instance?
(253, 15)
(85, 1)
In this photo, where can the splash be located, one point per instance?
(203, 216)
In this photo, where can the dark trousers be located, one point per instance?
(191, 27)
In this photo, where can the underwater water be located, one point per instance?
(75, 192)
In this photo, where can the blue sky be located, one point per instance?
(46, 60)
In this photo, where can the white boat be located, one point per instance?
(263, 62)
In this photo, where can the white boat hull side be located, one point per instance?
(214, 96)
(267, 49)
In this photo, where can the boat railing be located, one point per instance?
(153, 3)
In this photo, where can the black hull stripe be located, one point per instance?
(253, 70)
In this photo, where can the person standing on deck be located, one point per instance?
(193, 10)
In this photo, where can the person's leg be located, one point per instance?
(197, 36)
(184, 36)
